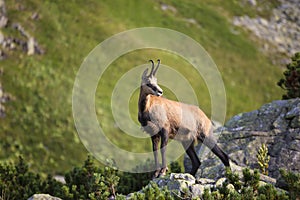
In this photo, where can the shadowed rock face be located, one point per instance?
(277, 124)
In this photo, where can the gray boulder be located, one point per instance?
(277, 124)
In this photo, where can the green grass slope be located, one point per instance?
(39, 122)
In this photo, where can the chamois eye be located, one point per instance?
(149, 85)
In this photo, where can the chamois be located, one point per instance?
(165, 119)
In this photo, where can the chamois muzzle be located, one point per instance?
(159, 93)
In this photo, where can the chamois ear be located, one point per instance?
(145, 73)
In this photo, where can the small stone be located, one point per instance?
(182, 176)
(35, 16)
(1, 37)
(263, 21)
(204, 181)
(220, 182)
(30, 46)
(43, 197)
(197, 190)
(3, 21)
(261, 183)
(230, 187)
(252, 2)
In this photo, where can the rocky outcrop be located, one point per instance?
(281, 30)
(277, 124)
(185, 186)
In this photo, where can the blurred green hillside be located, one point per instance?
(39, 123)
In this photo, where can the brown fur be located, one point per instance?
(175, 111)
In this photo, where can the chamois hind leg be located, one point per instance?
(221, 154)
(211, 143)
(155, 141)
(190, 150)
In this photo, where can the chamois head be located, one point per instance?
(149, 82)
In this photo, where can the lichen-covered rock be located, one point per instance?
(185, 183)
(276, 124)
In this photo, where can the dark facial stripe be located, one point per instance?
(152, 87)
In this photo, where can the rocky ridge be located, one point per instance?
(181, 183)
(186, 186)
(281, 30)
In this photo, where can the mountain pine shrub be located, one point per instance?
(94, 182)
(291, 81)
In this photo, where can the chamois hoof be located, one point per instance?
(163, 171)
(160, 172)
(156, 174)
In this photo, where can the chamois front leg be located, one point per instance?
(163, 148)
(155, 140)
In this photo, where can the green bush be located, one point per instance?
(152, 191)
(94, 182)
(16, 182)
(91, 182)
(131, 182)
(85, 182)
(291, 81)
(292, 182)
(249, 188)
(175, 167)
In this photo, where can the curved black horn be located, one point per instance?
(158, 62)
(152, 68)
